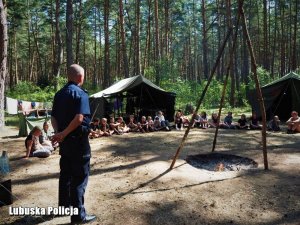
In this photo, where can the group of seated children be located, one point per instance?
(101, 127)
(38, 143)
(243, 123)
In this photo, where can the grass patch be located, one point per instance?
(11, 120)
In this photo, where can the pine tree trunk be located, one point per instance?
(294, 49)
(282, 42)
(106, 80)
(232, 75)
(69, 32)
(137, 64)
(58, 44)
(123, 40)
(3, 58)
(204, 40)
(78, 35)
(157, 53)
(266, 63)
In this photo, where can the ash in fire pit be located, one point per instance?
(221, 162)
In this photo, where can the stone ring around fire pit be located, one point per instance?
(221, 162)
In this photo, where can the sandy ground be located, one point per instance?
(130, 182)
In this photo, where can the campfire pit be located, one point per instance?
(221, 162)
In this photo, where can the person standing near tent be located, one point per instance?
(293, 123)
(70, 120)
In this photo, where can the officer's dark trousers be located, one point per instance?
(74, 173)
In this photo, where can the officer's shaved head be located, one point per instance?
(76, 74)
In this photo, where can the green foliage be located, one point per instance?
(29, 91)
(189, 92)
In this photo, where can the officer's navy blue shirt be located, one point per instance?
(68, 102)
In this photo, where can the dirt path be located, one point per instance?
(130, 184)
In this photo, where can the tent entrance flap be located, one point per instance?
(280, 97)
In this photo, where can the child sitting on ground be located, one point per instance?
(254, 123)
(150, 123)
(242, 123)
(122, 127)
(143, 125)
(213, 123)
(178, 120)
(95, 128)
(197, 119)
(33, 145)
(228, 124)
(163, 122)
(293, 123)
(157, 125)
(45, 137)
(203, 120)
(133, 127)
(104, 128)
(274, 124)
(113, 126)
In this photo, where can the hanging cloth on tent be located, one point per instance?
(11, 106)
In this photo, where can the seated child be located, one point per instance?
(95, 128)
(133, 127)
(113, 126)
(33, 145)
(143, 125)
(197, 119)
(274, 124)
(203, 120)
(293, 123)
(150, 123)
(45, 137)
(104, 128)
(178, 120)
(185, 120)
(242, 123)
(122, 127)
(213, 123)
(157, 125)
(254, 123)
(228, 124)
(163, 122)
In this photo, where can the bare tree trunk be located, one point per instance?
(95, 50)
(106, 80)
(69, 32)
(266, 62)
(204, 40)
(3, 58)
(283, 40)
(58, 43)
(137, 65)
(166, 38)
(148, 39)
(78, 32)
(294, 49)
(231, 72)
(123, 40)
(157, 52)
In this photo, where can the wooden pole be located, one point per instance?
(257, 85)
(226, 80)
(221, 50)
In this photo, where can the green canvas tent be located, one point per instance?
(280, 97)
(135, 95)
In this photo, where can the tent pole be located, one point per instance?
(257, 85)
(226, 80)
(221, 50)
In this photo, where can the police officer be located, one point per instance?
(70, 119)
